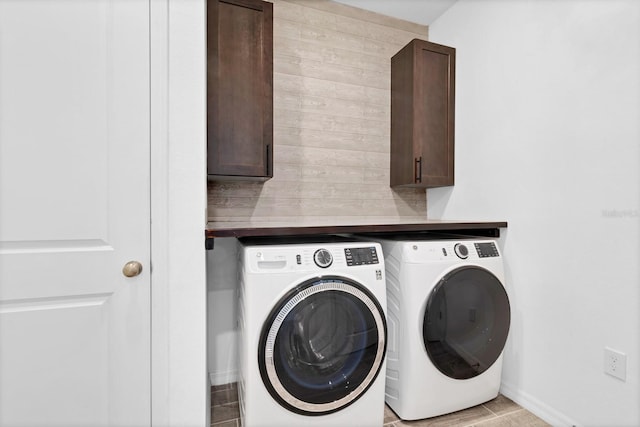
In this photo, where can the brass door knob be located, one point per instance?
(132, 269)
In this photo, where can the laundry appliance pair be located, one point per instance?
(322, 320)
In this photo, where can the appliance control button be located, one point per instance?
(322, 258)
(461, 250)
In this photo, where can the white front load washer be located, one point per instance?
(448, 317)
(312, 332)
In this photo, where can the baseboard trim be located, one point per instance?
(537, 407)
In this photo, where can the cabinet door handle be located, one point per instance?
(268, 159)
(418, 174)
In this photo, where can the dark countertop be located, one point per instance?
(351, 225)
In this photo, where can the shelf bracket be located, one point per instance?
(208, 243)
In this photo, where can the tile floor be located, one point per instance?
(500, 412)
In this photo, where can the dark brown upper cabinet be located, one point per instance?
(422, 115)
(239, 90)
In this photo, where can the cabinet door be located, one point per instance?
(422, 115)
(240, 89)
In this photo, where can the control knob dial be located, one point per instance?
(322, 258)
(461, 250)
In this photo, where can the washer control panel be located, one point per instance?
(311, 257)
(486, 249)
(361, 256)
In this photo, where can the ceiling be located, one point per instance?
(419, 11)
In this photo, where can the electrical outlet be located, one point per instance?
(615, 363)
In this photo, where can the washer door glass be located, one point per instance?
(466, 322)
(322, 346)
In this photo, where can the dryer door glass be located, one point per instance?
(466, 322)
(322, 346)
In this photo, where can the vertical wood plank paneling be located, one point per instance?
(331, 120)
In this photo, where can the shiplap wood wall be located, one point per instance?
(331, 120)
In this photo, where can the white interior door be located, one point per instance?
(74, 208)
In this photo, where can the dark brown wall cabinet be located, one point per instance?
(422, 115)
(239, 90)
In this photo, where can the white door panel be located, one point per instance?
(64, 378)
(74, 208)
(53, 108)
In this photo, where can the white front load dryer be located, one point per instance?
(312, 333)
(448, 319)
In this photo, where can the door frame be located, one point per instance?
(179, 381)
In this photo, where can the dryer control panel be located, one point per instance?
(486, 249)
(419, 252)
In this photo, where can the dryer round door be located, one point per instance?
(322, 346)
(466, 322)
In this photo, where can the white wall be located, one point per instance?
(222, 282)
(547, 138)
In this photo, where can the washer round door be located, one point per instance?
(322, 346)
(466, 322)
